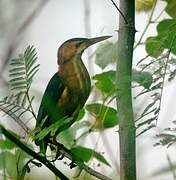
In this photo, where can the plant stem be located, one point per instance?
(147, 25)
(127, 130)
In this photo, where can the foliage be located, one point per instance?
(170, 8)
(166, 38)
(19, 102)
(21, 73)
(103, 59)
(105, 116)
(85, 154)
(12, 162)
(149, 75)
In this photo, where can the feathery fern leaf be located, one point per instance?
(23, 70)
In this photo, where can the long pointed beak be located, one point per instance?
(92, 41)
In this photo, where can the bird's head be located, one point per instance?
(73, 48)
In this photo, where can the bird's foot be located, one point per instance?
(72, 165)
(57, 147)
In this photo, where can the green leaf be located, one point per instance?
(105, 82)
(143, 78)
(106, 54)
(171, 8)
(22, 156)
(165, 39)
(154, 46)
(86, 154)
(6, 144)
(68, 136)
(52, 129)
(8, 161)
(81, 114)
(106, 116)
(23, 69)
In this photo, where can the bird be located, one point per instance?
(68, 89)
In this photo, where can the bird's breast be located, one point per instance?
(77, 88)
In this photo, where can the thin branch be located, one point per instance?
(147, 25)
(143, 59)
(156, 19)
(30, 105)
(32, 153)
(89, 170)
(126, 22)
(17, 120)
(164, 76)
(47, 163)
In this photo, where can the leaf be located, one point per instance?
(8, 161)
(143, 78)
(81, 114)
(85, 154)
(6, 144)
(170, 8)
(52, 129)
(106, 53)
(21, 156)
(165, 39)
(23, 69)
(144, 5)
(106, 116)
(105, 82)
(154, 46)
(68, 136)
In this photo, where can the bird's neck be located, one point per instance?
(71, 69)
(77, 79)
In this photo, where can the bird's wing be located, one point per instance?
(50, 99)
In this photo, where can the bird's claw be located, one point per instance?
(72, 165)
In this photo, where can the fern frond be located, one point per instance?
(23, 70)
(13, 104)
(13, 115)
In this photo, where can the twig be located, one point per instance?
(89, 170)
(30, 105)
(32, 153)
(17, 120)
(147, 25)
(47, 163)
(164, 76)
(126, 22)
(156, 19)
(143, 59)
